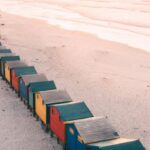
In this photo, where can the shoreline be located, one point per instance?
(123, 28)
(112, 78)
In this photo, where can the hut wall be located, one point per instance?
(23, 89)
(40, 108)
(73, 139)
(7, 72)
(15, 80)
(56, 125)
(31, 97)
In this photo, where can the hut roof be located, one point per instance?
(55, 96)
(118, 144)
(10, 58)
(6, 54)
(25, 70)
(73, 111)
(33, 78)
(42, 86)
(95, 129)
(2, 47)
(13, 64)
(5, 50)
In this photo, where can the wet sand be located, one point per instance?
(112, 78)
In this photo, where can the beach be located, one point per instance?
(111, 77)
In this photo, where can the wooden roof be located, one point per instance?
(33, 78)
(55, 96)
(95, 130)
(6, 54)
(2, 47)
(13, 64)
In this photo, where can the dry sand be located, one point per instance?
(112, 78)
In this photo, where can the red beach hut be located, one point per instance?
(62, 113)
(17, 72)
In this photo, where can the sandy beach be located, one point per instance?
(112, 78)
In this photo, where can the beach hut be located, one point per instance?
(9, 57)
(9, 65)
(62, 113)
(43, 102)
(16, 73)
(97, 134)
(37, 87)
(25, 81)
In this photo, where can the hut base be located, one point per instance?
(44, 126)
(53, 135)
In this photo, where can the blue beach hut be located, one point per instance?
(25, 81)
(97, 134)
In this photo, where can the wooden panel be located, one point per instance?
(7, 73)
(55, 96)
(56, 125)
(15, 83)
(33, 78)
(96, 129)
(40, 108)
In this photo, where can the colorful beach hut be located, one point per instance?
(16, 73)
(62, 113)
(9, 57)
(9, 65)
(45, 99)
(37, 87)
(97, 134)
(25, 81)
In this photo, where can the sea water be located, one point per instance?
(122, 21)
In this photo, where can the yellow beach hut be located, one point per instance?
(44, 101)
(11, 65)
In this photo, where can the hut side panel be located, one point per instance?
(73, 141)
(23, 90)
(7, 72)
(40, 107)
(15, 79)
(56, 125)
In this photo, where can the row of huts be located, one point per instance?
(72, 123)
